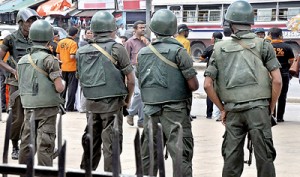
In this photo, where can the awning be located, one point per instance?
(90, 13)
(86, 13)
(55, 7)
(15, 5)
(74, 12)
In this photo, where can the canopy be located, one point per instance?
(54, 7)
(15, 5)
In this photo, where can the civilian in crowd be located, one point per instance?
(133, 46)
(285, 56)
(66, 50)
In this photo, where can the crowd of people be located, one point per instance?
(106, 73)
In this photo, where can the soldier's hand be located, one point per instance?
(127, 102)
(223, 117)
(16, 74)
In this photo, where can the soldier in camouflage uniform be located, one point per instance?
(244, 75)
(102, 78)
(16, 44)
(40, 85)
(166, 89)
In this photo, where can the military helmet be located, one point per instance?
(259, 30)
(25, 14)
(103, 21)
(240, 12)
(41, 30)
(164, 23)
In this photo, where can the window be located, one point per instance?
(203, 15)
(292, 12)
(214, 15)
(265, 15)
(189, 16)
(156, 8)
(177, 11)
(189, 13)
(209, 15)
(282, 15)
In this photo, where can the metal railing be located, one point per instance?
(30, 170)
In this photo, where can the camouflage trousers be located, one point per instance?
(257, 122)
(102, 136)
(45, 131)
(17, 115)
(167, 118)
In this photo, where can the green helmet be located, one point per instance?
(240, 12)
(25, 14)
(103, 21)
(41, 31)
(164, 23)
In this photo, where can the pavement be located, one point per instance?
(207, 160)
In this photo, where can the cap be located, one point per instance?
(183, 27)
(259, 30)
(4, 33)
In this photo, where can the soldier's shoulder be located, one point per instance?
(84, 48)
(222, 43)
(118, 45)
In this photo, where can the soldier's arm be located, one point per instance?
(210, 75)
(273, 65)
(3, 51)
(211, 93)
(276, 88)
(120, 54)
(52, 68)
(130, 86)
(185, 64)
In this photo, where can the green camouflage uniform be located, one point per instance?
(16, 45)
(243, 84)
(103, 86)
(38, 93)
(167, 99)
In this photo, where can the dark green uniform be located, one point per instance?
(103, 86)
(243, 83)
(167, 99)
(16, 44)
(38, 93)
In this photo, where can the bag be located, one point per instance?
(294, 69)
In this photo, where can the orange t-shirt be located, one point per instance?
(7, 53)
(65, 48)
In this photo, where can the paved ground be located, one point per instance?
(207, 161)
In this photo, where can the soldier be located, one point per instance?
(245, 73)
(16, 44)
(40, 83)
(101, 68)
(166, 84)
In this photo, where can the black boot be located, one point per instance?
(15, 153)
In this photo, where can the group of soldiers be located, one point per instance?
(242, 79)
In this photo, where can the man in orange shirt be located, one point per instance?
(4, 33)
(66, 50)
